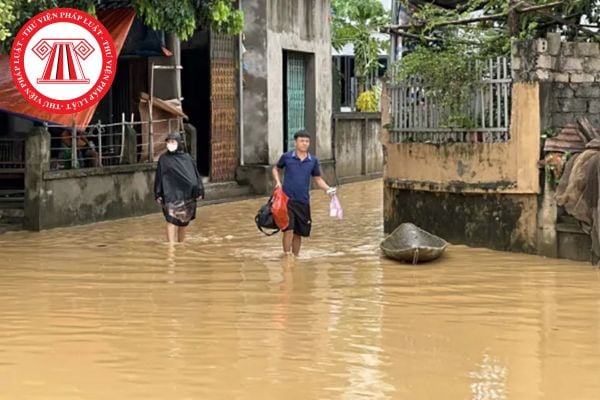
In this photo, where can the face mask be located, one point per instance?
(171, 147)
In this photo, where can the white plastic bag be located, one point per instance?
(335, 208)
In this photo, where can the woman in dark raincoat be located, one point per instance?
(177, 187)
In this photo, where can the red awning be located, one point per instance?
(117, 21)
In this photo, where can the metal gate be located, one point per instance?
(295, 104)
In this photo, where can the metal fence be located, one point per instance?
(12, 155)
(415, 118)
(102, 145)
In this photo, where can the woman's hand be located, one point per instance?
(159, 200)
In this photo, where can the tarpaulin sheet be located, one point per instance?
(117, 21)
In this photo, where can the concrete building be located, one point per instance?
(287, 84)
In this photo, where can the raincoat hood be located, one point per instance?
(176, 136)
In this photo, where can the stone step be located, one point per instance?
(566, 218)
(204, 203)
(226, 190)
(569, 227)
(573, 244)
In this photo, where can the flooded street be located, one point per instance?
(108, 311)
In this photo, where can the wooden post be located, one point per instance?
(363, 148)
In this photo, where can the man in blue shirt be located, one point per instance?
(299, 167)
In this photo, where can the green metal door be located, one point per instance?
(295, 96)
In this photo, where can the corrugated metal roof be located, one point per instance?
(568, 140)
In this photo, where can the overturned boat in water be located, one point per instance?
(409, 243)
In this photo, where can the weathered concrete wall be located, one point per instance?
(508, 167)
(301, 25)
(271, 27)
(82, 196)
(37, 162)
(574, 245)
(76, 197)
(72, 197)
(482, 194)
(255, 91)
(496, 221)
(357, 145)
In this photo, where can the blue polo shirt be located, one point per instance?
(297, 176)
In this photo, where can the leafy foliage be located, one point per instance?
(14, 13)
(450, 42)
(367, 102)
(563, 17)
(6, 18)
(181, 17)
(222, 15)
(176, 17)
(355, 22)
(449, 72)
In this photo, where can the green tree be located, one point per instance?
(356, 22)
(181, 17)
(448, 43)
(509, 18)
(7, 18)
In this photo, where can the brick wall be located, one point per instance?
(569, 77)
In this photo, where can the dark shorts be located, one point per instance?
(181, 213)
(300, 221)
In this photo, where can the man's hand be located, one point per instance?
(331, 191)
(276, 177)
(159, 200)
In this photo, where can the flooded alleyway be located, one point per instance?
(108, 311)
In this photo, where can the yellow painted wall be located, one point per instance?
(509, 167)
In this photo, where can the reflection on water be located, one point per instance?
(109, 311)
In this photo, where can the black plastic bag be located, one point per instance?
(264, 219)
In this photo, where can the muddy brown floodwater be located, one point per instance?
(108, 311)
